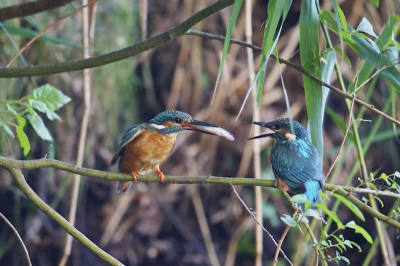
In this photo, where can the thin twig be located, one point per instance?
(18, 236)
(346, 133)
(296, 67)
(118, 55)
(46, 29)
(280, 242)
(265, 230)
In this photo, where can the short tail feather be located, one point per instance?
(124, 186)
(312, 192)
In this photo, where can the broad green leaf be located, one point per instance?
(232, 21)
(366, 27)
(309, 55)
(22, 137)
(299, 198)
(39, 127)
(287, 219)
(360, 230)
(52, 97)
(351, 206)
(7, 129)
(313, 213)
(331, 214)
(42, 107)
(11, 110)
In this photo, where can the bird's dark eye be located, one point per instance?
(277, 127)
(178, 120)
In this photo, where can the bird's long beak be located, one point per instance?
(208, 129)
(262, 124)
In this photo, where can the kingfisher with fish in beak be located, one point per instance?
(145, 146)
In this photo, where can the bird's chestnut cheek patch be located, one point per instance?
(286, 132)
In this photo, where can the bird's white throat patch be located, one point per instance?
(157, 126)
(290, 137)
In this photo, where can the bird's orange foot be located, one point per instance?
(134, 176)
(160, 175)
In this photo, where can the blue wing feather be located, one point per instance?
(130, 134)
(296, 162)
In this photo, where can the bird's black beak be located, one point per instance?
(262, 124)
(207, 128)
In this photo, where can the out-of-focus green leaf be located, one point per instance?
(344, 56)
(331, 214)
(313, 213)
(366, 27)
(299, 198)
(39, 127)
(360, 230)
(309, 55)
(375, 2)
(287, 219)
(22, 137)
(277, 10)
(42, 107)
(7, 129)
(232, 21)
(351, 206)
(31, 34)
(51, 96)
(365, 48)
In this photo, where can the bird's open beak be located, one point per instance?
(262, 124)
(208, 129)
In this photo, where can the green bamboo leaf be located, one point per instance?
(232, 21)
(277, 10)
(6, 128)
(366, 27)
(367, 49)
(31, 34)
(38, 125)
(360, 230)
(331, 214)
(351, 206)
(22, 137)
(309, 55)
(344, 56)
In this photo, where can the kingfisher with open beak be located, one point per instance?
(295, 161)
(145, 146)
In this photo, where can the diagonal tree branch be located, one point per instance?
(30, 8)
(115, 56)
(20, 179)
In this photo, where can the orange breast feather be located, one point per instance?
(145, 152)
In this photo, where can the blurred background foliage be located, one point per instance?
(161, 224)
